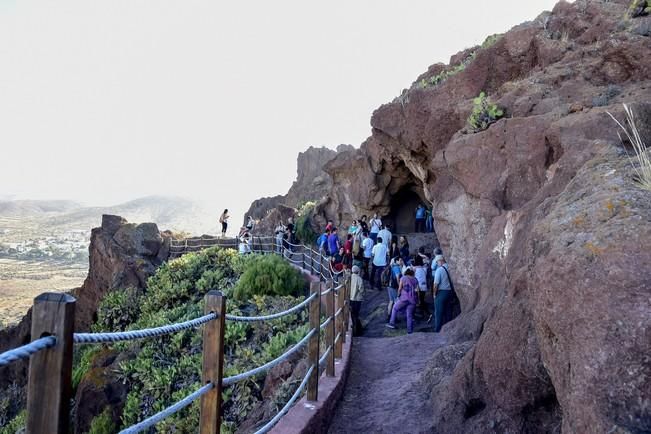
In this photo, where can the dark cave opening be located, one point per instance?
(403, 208)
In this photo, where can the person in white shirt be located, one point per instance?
(420, 272)
(385, 234)
(376, 225)
(380, 253)
(244, 246)
(367, 246)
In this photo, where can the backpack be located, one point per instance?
(385, 278)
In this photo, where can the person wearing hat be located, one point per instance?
(356, 297)
(442, 290)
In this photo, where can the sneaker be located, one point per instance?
(389, 325)
(429, 320)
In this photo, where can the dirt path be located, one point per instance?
(382, 394)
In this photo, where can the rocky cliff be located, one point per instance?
(539, 214)
(311, 184)
(121, 255)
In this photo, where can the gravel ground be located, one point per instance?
(383, 392)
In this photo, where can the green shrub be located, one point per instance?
(117, 309)
(15, 425)
(639, 8)
(83, 361)
(491, 40)
(483, 114)
(103, 424)
(304, 231)
(268, 275)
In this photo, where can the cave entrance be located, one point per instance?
(403, 208)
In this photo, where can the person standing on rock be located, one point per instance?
(407, 296)
(356, 298)
(223, 219)
(443, 288)
(420, 219)
(380, 253)
(376, 225)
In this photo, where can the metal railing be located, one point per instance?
(49, 388)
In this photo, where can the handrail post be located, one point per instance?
(213, 363)
(339, 322)
(49, 384)
(330, 328)
(346, 311)
(313, 344)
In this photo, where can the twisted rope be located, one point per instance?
(244, 375)
(153, 420)
(25, 351)
(267, 427)
(323, 358)
(338, 336)
(95, 338)
(339, 311)
(325, 323)
(289, 311)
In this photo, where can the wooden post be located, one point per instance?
(339, 322)
(330, 329)
(346, 313)
(49, 384)
(313, 344)
(213, 363)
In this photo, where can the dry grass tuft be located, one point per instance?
(641, 162)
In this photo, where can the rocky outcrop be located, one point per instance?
(311, 184)
(121, 255)
(539, 215)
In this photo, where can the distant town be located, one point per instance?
(70, 246)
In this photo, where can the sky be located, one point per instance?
(107, 101)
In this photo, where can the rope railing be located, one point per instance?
(160, 416)
(255, 371)
(267, 427)
(96, 338)
(57, 325)
(289, 311)
(26, 351)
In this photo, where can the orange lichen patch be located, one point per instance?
(594, 249)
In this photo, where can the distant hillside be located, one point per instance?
(45, 218)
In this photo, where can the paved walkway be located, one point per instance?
(383, 392)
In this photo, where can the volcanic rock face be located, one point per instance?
(312, 183)
(546, 231)
(121, 255)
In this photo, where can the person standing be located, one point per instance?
(420, 219)
(429, 220)
(362, 223)
(322, 242)
(356, 298)
(406, 300)
(280, 232)
(443, 292)
(223, 219)
(380, 253)
(385, 234)
(376, 225)
(392, 289)
(404, 250)
(420, 273)
(394, 250)
(333, 241)
(367, 247)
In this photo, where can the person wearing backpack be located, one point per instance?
(443, 291)
(407, 297)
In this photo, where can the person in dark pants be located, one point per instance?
(443, 292)
(420, 219)
(356, 298)
(380, 253)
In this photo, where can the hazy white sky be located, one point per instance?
(105, 101)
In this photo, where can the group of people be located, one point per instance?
(373, 253)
